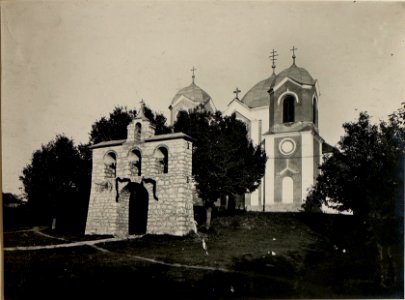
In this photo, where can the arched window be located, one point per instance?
(287, 187)
(135, 163)
(288, 109)
(162, 160)
(314, 110)
(110, 165)
(138, 131)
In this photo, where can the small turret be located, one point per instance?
(141, 127)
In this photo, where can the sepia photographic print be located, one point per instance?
(202, 149)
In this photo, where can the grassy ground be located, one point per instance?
(257, 255)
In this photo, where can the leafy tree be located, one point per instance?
(112, 128)
(225, 161)
(115, 126)
(10, 199)
(15, 213)
(58, 179)
(158, 120)
(55, 184)
(366, 176)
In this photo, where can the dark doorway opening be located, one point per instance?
(138, 208)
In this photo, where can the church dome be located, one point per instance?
(258, 95)
(194, 93)
(295, 73)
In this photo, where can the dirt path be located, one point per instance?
(35, 229)
(94, 245)
(68, 245)
(38, 231)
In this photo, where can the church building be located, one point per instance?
(144, 184)
(188, 98)
(281, 114)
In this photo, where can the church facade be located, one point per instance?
(281, 114)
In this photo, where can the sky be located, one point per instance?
(65, 64)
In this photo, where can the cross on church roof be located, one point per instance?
(293, 51)
(273, 58)
(141, 112)
(192, 70)
(236, 92)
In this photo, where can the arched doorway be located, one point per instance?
(287, 190)
(138, 208)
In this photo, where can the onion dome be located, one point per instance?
(194, 93)
(258, 95)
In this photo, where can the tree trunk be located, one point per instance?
(231, 203)
(386, 266)
(208, 211)
(53, 224)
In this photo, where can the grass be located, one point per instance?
(265, 255)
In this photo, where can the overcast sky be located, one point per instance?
(66, 64)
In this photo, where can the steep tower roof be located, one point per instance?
(295, 73)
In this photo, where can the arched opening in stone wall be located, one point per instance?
(138, 132)
(289, 109)
(287, 186)
(110, 165)
(138, 208)
(161, 156)
(135, 162)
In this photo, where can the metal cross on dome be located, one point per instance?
(293, 51)
(273, 58)
(236, 92)
(192, 70)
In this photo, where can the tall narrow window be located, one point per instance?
(314, 111)
(288, 109)
(110, 165)
(138, 131)
(135, 163)
(162, 160)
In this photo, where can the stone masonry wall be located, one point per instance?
(102, 213)
(171, 214)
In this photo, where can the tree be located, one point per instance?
(158, 120)
(55, 183)
(225, 161)
(11, 200)
(366, 175)
(58, 179)
(115, 126)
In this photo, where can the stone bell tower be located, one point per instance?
(292, 144)
(142, 184)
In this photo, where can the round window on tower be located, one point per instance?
(287, 146)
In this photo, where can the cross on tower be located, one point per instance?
(141, 112)
(273, 58)
(236, 92)
(192, 70)
(293, 51)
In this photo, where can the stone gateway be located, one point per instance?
(142, 184)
